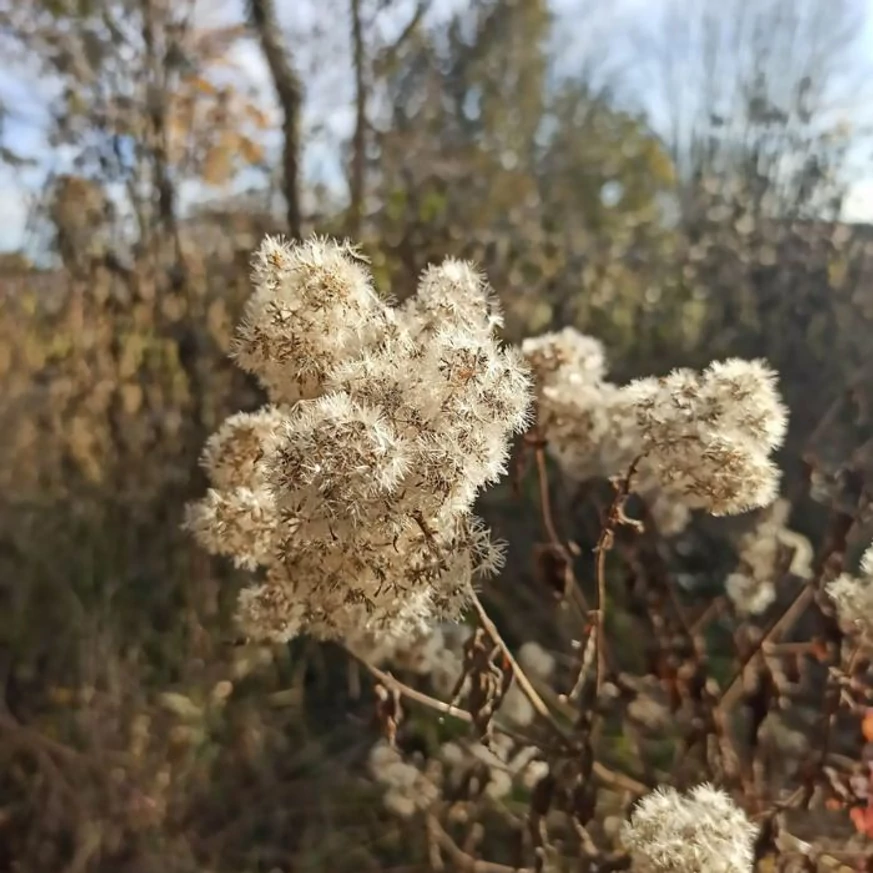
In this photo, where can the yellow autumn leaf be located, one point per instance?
(217, 164)
(257, 116)
(250, 151)
(203, 86)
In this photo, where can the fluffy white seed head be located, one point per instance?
(743, 396)
(334, 458)
(234, 455)
(701, 832)
(454, 294)
(313, 305)
(582, 358)
(240, 523)
(354, 489)
(708, 436)
(853, 598)
(749, 595)
(269, 612)
(705, 438)
(576, 407)
(867, 562)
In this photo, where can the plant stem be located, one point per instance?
(518, 673)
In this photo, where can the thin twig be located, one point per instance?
(572, 590)
(779, 625)
(491, 629)
(832, 706)
(614, 517)
(545, 500)
(518, 673)
(393, 684)
(462, 860)
(710, 611)
(589, 650)
(600, 613)
(607, 776)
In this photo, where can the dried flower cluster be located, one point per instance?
(407, 789)
(457, 767)
(705, 438)
(751, 586)
(853, 597)
(701, 832)
(353, 489)
(497, 767)
(577, 408)
(437, 654)
(589, 426)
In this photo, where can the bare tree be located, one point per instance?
(371, 56)
(759, 93)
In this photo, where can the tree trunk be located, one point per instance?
(359, 140)
(290, 93)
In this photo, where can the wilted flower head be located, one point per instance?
(853, 597)
(353, 489)
(701, 832)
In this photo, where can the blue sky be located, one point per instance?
(328, 116)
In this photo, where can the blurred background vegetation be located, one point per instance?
(684, 181)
